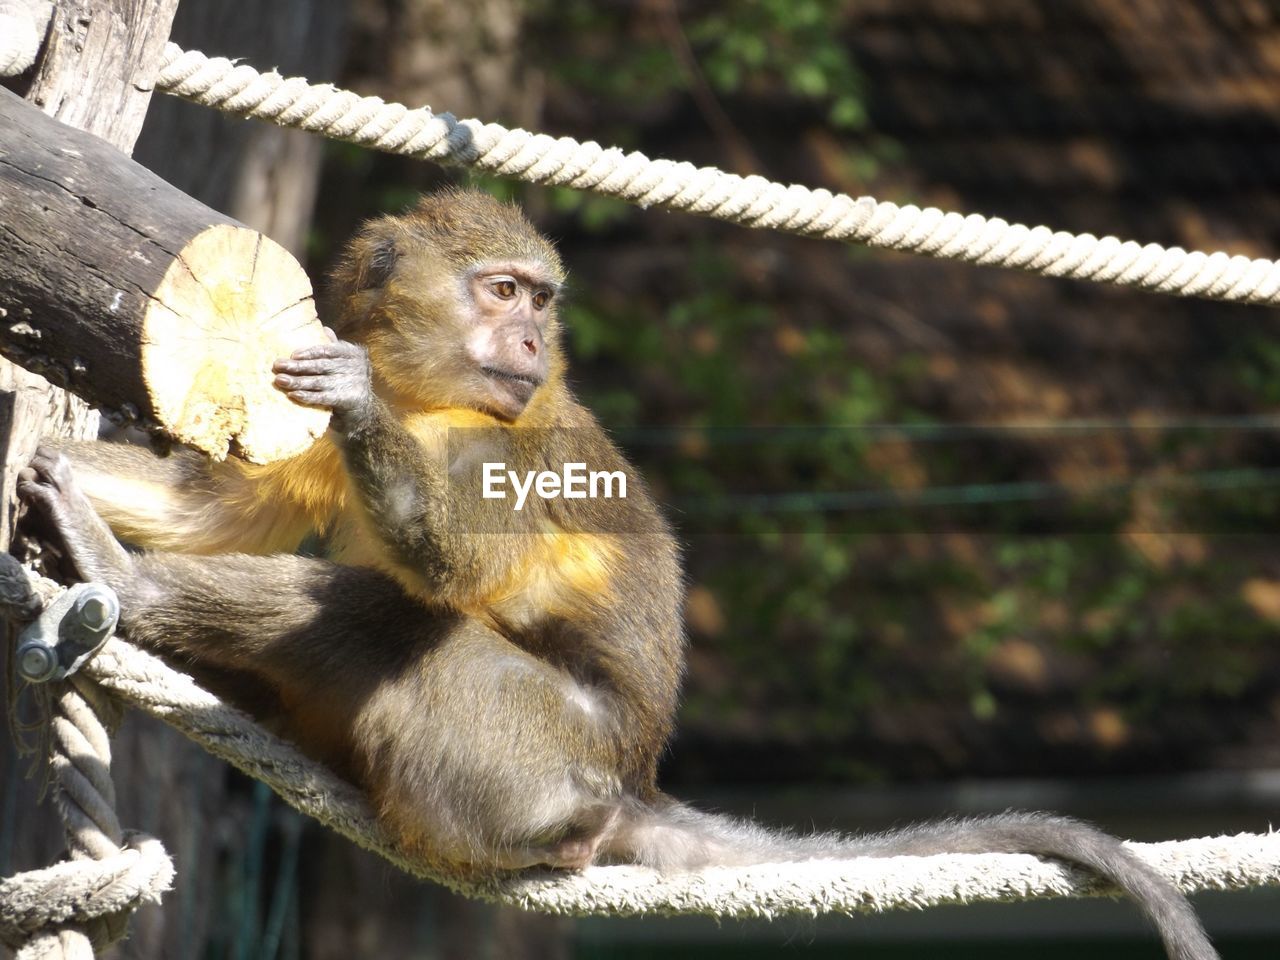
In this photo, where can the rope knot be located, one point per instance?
(91, 898)
(82, 904)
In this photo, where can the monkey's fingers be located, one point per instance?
(312, 392)
(314, 368)
(337, 350)
(49, 465)
(46, 483)
(30, 488)
(302, 386)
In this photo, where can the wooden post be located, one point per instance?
(122, 288)
(99, 63)
(96, 72)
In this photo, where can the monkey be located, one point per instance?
(500, 683)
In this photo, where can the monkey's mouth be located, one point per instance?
(520, 380)
(518, 387)
(535, 382)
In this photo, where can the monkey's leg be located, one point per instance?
(473, 751)
(485, 755)
(183, 502)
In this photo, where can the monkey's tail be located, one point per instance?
(670, 836)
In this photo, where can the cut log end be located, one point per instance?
(231, 303)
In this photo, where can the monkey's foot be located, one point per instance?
(48, 483)
(577, 849)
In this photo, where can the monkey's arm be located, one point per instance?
(405, 488)
(183, 502)
(609, 610)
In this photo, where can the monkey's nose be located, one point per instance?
(530, 345)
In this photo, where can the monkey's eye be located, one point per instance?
(541, 299)
(506, 289)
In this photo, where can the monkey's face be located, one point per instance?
(456, 302)
(482, 337)
(507, 308)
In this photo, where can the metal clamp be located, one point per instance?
(68, 632)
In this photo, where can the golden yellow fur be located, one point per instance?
(272, 508)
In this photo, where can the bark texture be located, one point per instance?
(122, 288)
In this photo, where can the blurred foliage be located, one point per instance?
(753, 44)
(763, 42)
(818, 609)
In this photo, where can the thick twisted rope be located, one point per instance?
(747, 201)
(67, 911)
(851, 886)
(72, 908)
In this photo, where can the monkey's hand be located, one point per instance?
(47, 483)
(336, 375)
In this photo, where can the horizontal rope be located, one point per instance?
(747, 201)
(871, 885)
(811, 887)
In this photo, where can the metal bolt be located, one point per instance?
(95, 610)
(36, 662)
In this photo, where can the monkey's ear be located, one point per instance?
(379, 264)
